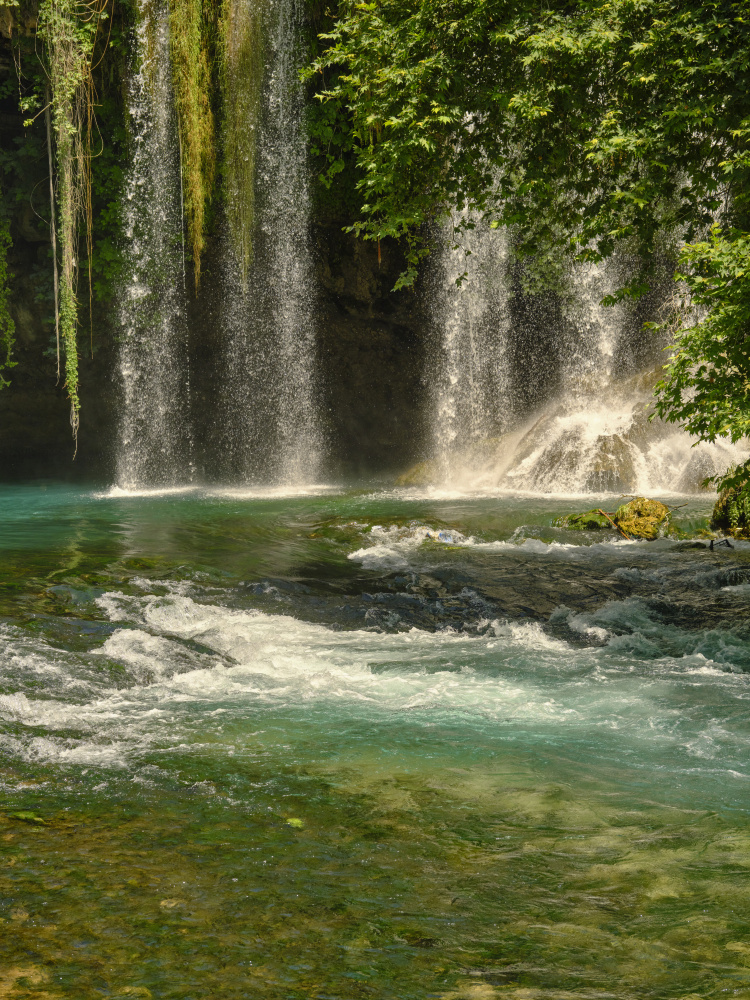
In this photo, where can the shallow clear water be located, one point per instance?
(358, 744)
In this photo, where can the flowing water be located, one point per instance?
(154, 439)
(271, 430)
(472, 391)
(549, 391)
(355, 743)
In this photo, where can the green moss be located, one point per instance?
(190, 23)
(241, 53)
(642, 518)
(639, 518)
(591, 520)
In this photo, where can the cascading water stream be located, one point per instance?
(549, 392)
(471, 384)
(271, 431)
(154, 433)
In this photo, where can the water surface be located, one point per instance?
(351, 744)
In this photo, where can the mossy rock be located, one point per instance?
(642, 518)
(731, 511)
(422, 474)
(591, 520)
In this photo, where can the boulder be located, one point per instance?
(642, 518)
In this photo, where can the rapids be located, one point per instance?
(388, 743)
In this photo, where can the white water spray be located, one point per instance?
(272, 433)
(588, 429)
(154, 436)
(469, 296)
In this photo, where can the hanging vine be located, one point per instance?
(242, 64)
(7, 327)
(69, 29)
(189, 32)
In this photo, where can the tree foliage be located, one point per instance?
(604, 122)
(707, 384)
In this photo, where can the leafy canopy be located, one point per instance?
(604, 121)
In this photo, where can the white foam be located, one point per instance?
(121, 492)
(497, 675)
(278, 492)
(392, 548)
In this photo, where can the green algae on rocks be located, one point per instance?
(590, 520)
(642, 518)
(639, 518)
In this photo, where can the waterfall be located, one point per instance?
(469, 309)
(270, 430)
(549, 391)
(154, 436)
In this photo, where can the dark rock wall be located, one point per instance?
(35, 432)
(371, 364)
(372, 361)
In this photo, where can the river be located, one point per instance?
(364, 742)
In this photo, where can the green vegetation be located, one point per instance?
(706, 386)
(587, 123)
(241, 35)
(732, 510)
(642, 518)
(69, 29)
(638, 518)
(590, 520)
(190, 34)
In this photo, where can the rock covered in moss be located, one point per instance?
(642, 518)
(639, 518)
(421, 474)
(731, 511)
(590, 520)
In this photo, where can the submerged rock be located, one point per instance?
(590, 520)
(642, 518)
